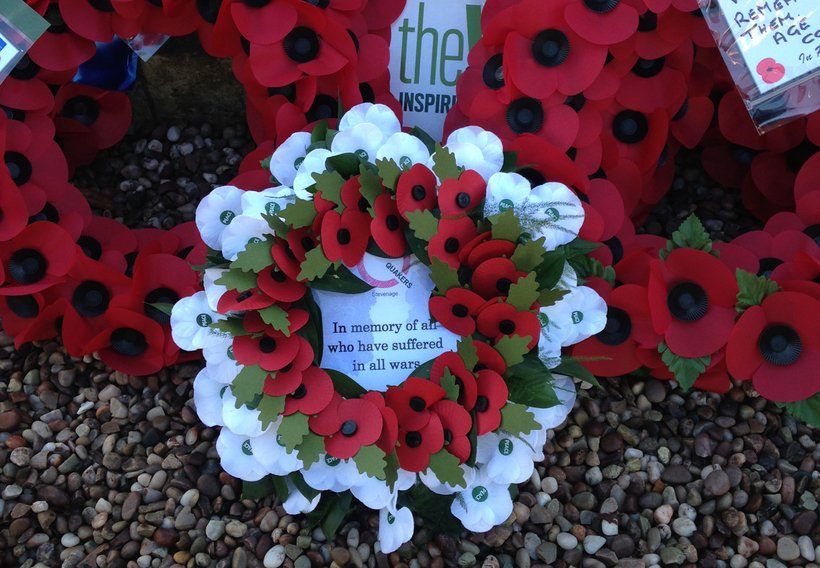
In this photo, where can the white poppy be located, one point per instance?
(332, 474)
(242, 232)
(470, 157)
(552, 417)
(379, 115)
(208, 398)
(554, 329)
(364, 140)
(375, 493)
(216, 211)
(483, 504)
(569, 279)
(220, 362)
(191, 318)
(288, 157)
(314, 163)
(243, 421)
(270, 201)
(405, 150)
(273, 455)
(236, 456)
(552, 211)
(433, 483)
(490, 146)
(506, 191)
(395, 528)
(506, 458)
(296, 502)
(584, 311)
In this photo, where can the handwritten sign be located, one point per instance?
(379, 337)
(779, 39)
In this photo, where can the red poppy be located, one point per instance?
(493, 278)
(657, 83)
(25, 88)
(131, 344)
(108, 241)
(416, 446)
(97, 21)
(639, 137)
(38, 257)
(191, 247)
(775, 174)
(416, 190)
(360, 424)
(456, 310)
(692, 302)
(275, 283)
(13, 206)
(499, 320)
(690, 122)
(345, 236)
(107, 114)
(657, 34)
(770, 70)
(235, 301)
(539, 162)
(462, 195)
(287, 379)
(19, 313)
(390, 424)
(272, 351)
(60, 48)
(773, 251)
(411, 402)
(776, 346)
(386, 227)
(602, 22)
(484, 248)
(457, 423)
(452, 235)
(464, 379)
(158, 20)
(485, 71)
(489, 358)
(492, 396)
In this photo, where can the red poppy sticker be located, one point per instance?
(770, 70)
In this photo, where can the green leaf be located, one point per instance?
(506, 226)
(256, 257)
(280, 485)
(417, 246)
(433, 508)
(572, 368)
(165, 308)
(686, 370)
(319, 133)
(445, 166)
(550, 270)
(370, 460)
(346, 164)
(266, 162)
(344, 385)
(807, 410)
(232, 325)
(299, 214)
(276, 317)
(336, 516)
(330, 184)
(513, 349)
(517, 420)
(370, 188)
(691, 234)
(549, 298)
(258, 489)
(446, 467)
(389, 172)
(248, 384)
(276, 224)
(529, 256)
(391, 469)
(523, 293)
(448, 383)
(424, 137)
(510, 161)
(310, 449)
(423, 370)
(578, 247)
(293, 430)
(466, 349)
(530, 383)
(444, 277)
(339, 279)
(315, 264)
(299, 482)
(753, 289)
(270, 407)
(424, 224)
(236, 279)
(312, 330)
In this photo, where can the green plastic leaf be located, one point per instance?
(293, 430)
(270, 407)
(236, 279)
(550, 270)
(506, 226)
(510, 161)
(807, 410)
(433, 509)
(369, 187)
(517, 420)
(446, 467)
(258, 489)
(424, 137)
(299, 482)
(448, 383)
(330, 184)
(523, 293)
(547, 298)
(319, 133)
(276, 224)
(311, 447)
(315, 264)
(312, 330)
(276, 317)
(346, 164)
(578, 247)
(686, 370)
(248, 384)
(165, 308)
(370, 460)
(299, 214)
(573, 368)
(753, 289)
(231, 325)
(339, 279)
(417, 246)
(389, 172)
(529, 256)
(266, 162)
(530, 383)
(513, 349)
(424, 224)
(256, 257)
(391, 469)
(445, 166)
(423, 370)
(336, 516)
(466, 349)
(444, 277)
(691, 234)
(344, 385)
(280, 485)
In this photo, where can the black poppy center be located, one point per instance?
(256, 3)
(300, 392)
(267, 345)
(27, 266)
(796, 157)
(82, 109)
(56, 23)
(463, 200)
(493, 72)
(618, 327)
(127, 341)
(307, 244)
(278, 275)
(91, 247)
(368, 94)
(647, 68)
(648, 22)
(19, 167)
(448, 436)
(323, 107)
(47, 213)
(525, 115)
(630, 127)
(288, 91)
(503, 285)
(780, 345)
(343, 236)
(460, 311)
(23, 306)
(742, 155)
(363, 204)
(25, 69)
(417, 404)
(413, 439)
(684, 108)
(451, 245)
(813, 231)
(767, 265)
(601, 6)
(101, 5)
(159, 296)
(318, 3)
(301, 45)
(208, 10)
(616, 247)
(90, 299)
(507, 327)
(482, 403)
(576, 102)
(392, 223)
(418, 193)
(349, 428)
(687, 301)
(550, 48)
(533, 176)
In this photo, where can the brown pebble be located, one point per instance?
(166, 537)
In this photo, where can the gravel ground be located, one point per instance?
(102, 469)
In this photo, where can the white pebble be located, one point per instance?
(684, 527)
(664, 514)
(549, 485)
(609, 528)
(567, 541)
(173, 134)
(593, 543)
(275, 557)
(69, 540)
(594, 475)
(806, 548)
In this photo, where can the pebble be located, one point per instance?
(567, 541)
(173, 134)
(593, 543)
(275, 557)
(717, 483)
(215, 529)
(683, 527)
(787, 549)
